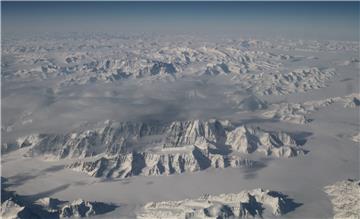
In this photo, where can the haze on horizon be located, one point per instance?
(299, 20)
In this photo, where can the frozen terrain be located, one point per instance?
(297, 112)
(246, 204)
(15, 206)
(345, 197)
(162, 126)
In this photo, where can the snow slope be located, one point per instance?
(136, 119)
(246, 204)
(345, 197)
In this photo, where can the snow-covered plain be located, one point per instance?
(116, 126)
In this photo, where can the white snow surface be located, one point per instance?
(245, 204)
(345, 197)
(140, 119)
(298, 112)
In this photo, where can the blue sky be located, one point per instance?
(328, 20)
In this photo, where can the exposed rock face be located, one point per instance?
(350, 101)
(246, 204)
(77, 208)
(12, 210)
(177, 147)
(145, 60)
(166, 162)
(194, 132)
(118, 138)
(246, 62)
(248, 140)
(216, 69)
(345, 197)
(21, 142)
(50, 205)
(289, 112)
(298, 80)
(110, 138)
(15, 207)
(190, 146)
(298, 112)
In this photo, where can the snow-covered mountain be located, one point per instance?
(14, 206)
(246, 62)
(115, 138)
(110, 138)
(76, 208)
(10, 209)
(298, 112)
(249, 140)
(130, 149)
(297, 80)
(126, 119)
(257, 203)
(163, 162)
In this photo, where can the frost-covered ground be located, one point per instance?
(100, 125)
(345, 198)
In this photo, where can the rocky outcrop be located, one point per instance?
(289, 112)
(65, 209)
(121, 138)
(164, 162)
(77, 208)
(298, 112)
(194, 132)
(249, 140)
(194, 146)
(350, 101)
(246, 204)
(173, 148)
(256, 65)
(16, 207)
(345, 197)
(10, 209)
(216, 69)
(298, 80)
(111, 138)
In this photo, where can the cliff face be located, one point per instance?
(248, 140)
(195, 132)
(190, 159)
(172, 148)
(112, 138)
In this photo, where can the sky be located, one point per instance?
(310, 20)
